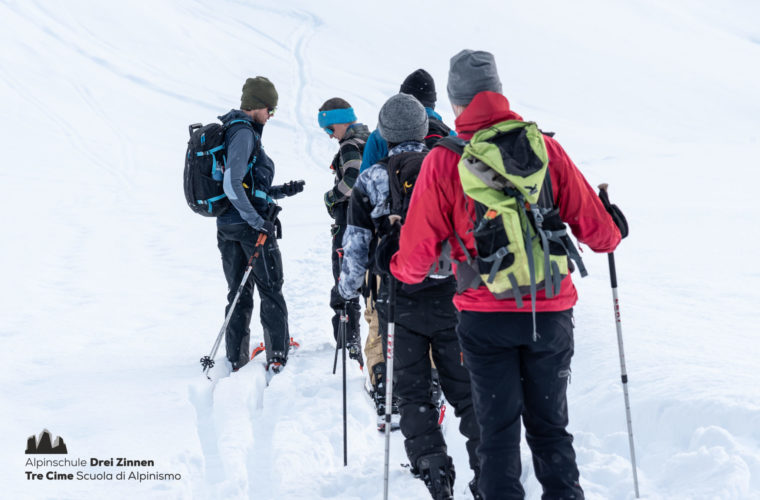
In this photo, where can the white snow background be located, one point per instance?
(112, 289)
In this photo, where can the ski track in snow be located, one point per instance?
(286, 440)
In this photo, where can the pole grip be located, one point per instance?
(271, 216)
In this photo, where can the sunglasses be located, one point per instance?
(271, 111)
(329, 130)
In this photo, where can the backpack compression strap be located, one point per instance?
(452, 143)
(467, 275)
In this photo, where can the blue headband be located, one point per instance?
(343, 115)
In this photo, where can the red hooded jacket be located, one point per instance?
(438, 209)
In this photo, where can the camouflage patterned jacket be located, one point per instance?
(368, 211)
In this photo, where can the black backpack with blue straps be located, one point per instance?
(204, 168)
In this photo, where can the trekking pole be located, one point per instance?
(343, 328)
(389, 377)
(335, 359)
(339, 251)
(341, 344)
(208, 361)
(619, 326)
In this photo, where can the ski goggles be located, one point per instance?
(329, 130)
(271, 110)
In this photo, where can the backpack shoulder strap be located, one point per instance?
(550, 134)
(382, 161)
(452, 143)
(236, 124)
(256, 138)
(403, 170)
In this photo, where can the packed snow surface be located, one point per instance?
(112, 289)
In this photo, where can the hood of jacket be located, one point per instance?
(236, 114)
(486, 109)
(356, 131)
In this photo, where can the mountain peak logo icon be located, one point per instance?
(44, 445)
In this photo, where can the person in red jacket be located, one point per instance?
(513, 375)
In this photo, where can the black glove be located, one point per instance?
(330, 203)
(292, 188)
(267, 228)
(336, 301)
(385, 250)
(617, 215)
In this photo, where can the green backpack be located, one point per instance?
(522, 244)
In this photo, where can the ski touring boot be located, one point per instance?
(437, 397)
(377, 394)
(293, 346)
(273, 367)
(437, 470)
(476, 495)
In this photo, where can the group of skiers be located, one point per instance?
(404, 226)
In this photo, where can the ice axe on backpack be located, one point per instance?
(208, 361)
(622, 224)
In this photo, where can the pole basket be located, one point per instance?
(207, 362)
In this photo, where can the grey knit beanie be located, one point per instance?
(258, 93)
(471, 72)
(402, 118)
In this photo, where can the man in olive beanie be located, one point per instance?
(258, 93)
(251, 193)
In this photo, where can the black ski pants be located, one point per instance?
(426, 323)
(236, 243)
(514, 376)
(353, 335)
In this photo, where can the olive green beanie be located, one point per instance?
(258, 93)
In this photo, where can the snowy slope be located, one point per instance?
(111, 288)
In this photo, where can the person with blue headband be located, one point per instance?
(338, 119)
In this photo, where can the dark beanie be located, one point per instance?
(421, 85)
(258, 93)
(471, 72)
(402, 118)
